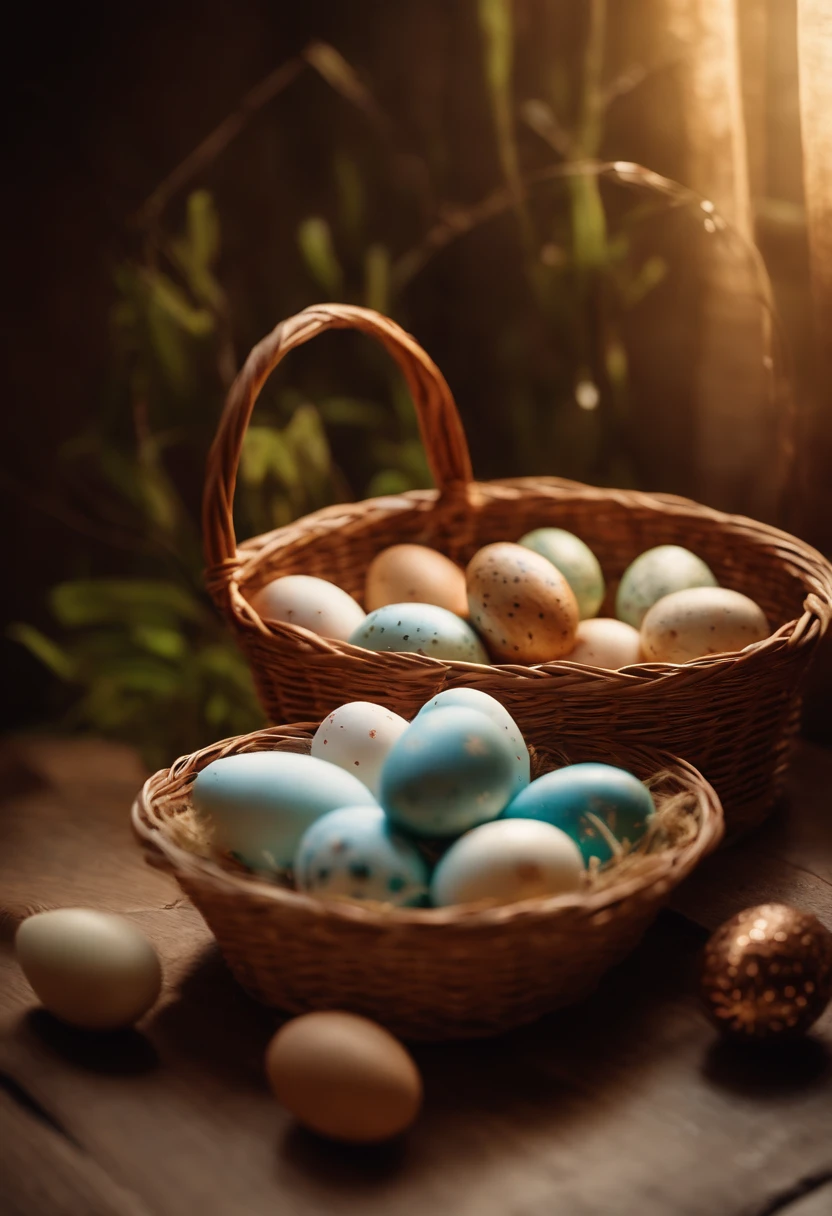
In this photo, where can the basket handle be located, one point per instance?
(439, 422)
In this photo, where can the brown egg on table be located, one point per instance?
(700, 621)
(521, 605)
(605, 642)
(415, 574)
(344, 1077)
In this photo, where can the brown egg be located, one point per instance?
(414, 574)
(344, 1077)
(605, 642)
(521, 604)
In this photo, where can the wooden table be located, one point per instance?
(627, 1105)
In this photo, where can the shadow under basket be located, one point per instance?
(731, 715)
(444, 973)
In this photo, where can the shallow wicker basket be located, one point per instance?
(425, 973)
(731, 715)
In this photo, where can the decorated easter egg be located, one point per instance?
(357, 737)
(414, 574)
(605, 642)
(90, 969)
(576, 562)
(422, 629)
(313, 603)
(521, 604)
(260, 803)
(506, 861)
(596, 804)
(344, 1077)
(354, 853)
(657, 573)
(701, 621)
(450, 770)
(472, 698)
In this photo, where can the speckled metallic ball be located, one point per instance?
(768, 972)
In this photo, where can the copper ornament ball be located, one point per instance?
(768, 972)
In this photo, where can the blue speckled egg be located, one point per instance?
(355, 853)
(571, 798)
(420, 629)
(472, 698)
(655, 574)
(261, 803)
(576, 562)
(450, 770)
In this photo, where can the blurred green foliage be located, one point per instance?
(143, 653)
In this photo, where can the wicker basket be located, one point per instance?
(731, 715)
(429, 973)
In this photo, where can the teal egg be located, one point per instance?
(576, 562)
(472, 698)
(261, 803)
(420, 629)
(653, 575)
(449, 771)
(571, 798)
(355, 853)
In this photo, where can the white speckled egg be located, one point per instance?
(312, 603)
(357, 737)
(354, 853)
(90, 969)
(657, 573)
(506, 861)
(472, 698)
(576, 562)
(521, 604)
(605, 642)
(422, 629)
(700, 621)
(261, 803)
(415, 574)
(450, 770)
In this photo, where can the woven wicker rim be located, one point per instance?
(149, 825)
(230, 567)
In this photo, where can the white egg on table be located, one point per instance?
(505, 861)
(93, 970)
(357, 737)
(654, 574)
(701, 621)
(312, 603)
(605, 642)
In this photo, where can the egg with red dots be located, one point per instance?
(357, 737)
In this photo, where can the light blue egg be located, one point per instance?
(571, 798)
(576, 562)
(450, 770)
(355, 852)
(261, 803)
(472, 698)
(420, 629)
(653, 575)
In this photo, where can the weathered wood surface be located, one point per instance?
(627, 1104)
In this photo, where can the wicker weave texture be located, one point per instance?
(432, 973)
(732, 716)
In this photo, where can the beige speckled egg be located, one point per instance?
(522, 606)
(700, 621)
(605, 642)
(414, 574)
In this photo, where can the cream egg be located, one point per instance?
(344, 1077)
(505, 861)
(701, 621)
(357, 737)
(91, 969)
(312, 603)
(605, 642)
(415, 574)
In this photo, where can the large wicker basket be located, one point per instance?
(731, 715)
(427, 973)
